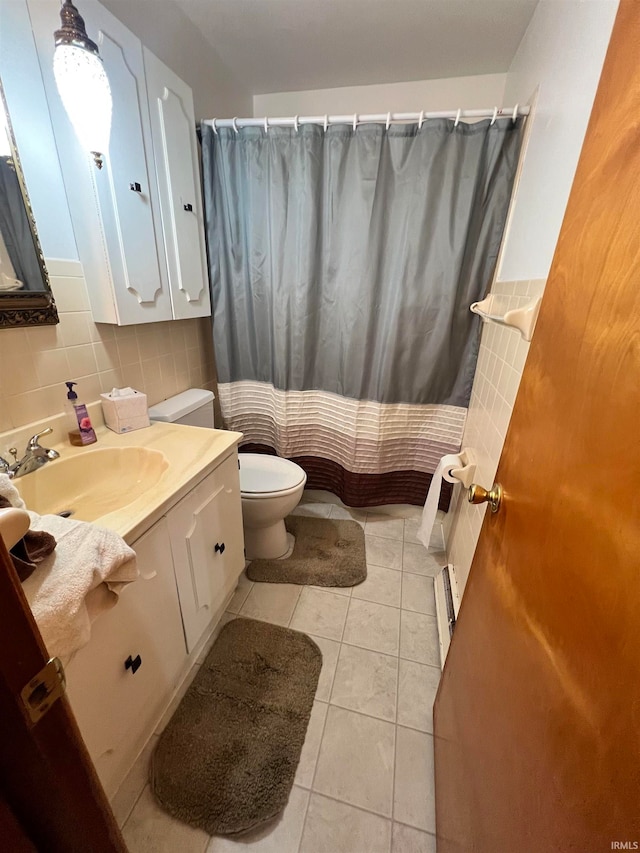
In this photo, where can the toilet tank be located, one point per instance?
(193, 408)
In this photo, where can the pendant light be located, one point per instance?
(82, 83)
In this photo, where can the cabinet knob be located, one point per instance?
(133, 664)
(135, 187)
(219, 549)
(188, 207)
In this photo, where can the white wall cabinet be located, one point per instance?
(163, 619)
(207, 546)
(142, 263)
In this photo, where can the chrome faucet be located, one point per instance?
(34, 457)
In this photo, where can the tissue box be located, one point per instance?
(125, 409)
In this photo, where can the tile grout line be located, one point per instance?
(395, 729)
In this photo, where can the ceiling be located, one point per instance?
(291, 45)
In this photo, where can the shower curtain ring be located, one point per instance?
(495, 115)
(295, 123)
(421, 119)
(326, 122)
(457, 121)
(266, 125)
(388, 120)
(515, 113)
(234, 123)
(213, 125)
(355, 120)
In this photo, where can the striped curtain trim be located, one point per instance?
(359, 435)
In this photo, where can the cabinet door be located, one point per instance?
(117, 709)
(208, 547)
(126, 186)
(173, 130)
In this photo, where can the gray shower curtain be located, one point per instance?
(343, 264)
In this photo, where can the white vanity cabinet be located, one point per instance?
(207, 546)
(117, 706)
(122, 681)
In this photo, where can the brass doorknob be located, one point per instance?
(478, 495)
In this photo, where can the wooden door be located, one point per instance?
(537, 720)
(50, 797)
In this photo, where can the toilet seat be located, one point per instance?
(261, 475)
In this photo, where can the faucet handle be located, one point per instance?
(34, 444)
(34, 441)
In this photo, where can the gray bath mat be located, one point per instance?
(327, 552)
(227, 759)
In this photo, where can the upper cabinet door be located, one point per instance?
(126, 187)
(176, 161)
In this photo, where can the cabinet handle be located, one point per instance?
(188, 207)
(219, 549)
(135, 187)
(133, 664)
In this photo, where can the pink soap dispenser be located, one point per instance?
(81, 432)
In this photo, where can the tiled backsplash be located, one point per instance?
(501, 361)
(160, 359)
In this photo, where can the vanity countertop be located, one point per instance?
(191, 454)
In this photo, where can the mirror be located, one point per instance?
(25, 294)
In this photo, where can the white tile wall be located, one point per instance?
(501, 361)
(160, 359)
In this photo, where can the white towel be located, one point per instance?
(9, 491)
(86, 557)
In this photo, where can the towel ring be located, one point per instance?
(326, 123)
(295, 123)
(388, 120)
(266, 125)
(495, 116)
(213, 125)
(234, 123)
(355, 120)
(421, 119)
(515, 113)
(457, 121)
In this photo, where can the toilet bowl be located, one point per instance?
(270, 488)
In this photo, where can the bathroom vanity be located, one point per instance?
(186, 530)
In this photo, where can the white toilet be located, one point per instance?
(270, 487)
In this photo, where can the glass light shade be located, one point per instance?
(84, 88)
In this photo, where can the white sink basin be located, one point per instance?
(92, 484)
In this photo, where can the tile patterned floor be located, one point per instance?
(365, 779)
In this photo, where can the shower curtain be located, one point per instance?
(343, 264)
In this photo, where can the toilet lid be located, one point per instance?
(260, 473)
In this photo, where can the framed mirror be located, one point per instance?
(25, 293)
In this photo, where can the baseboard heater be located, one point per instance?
(447, 607)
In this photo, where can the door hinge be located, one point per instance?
(43, 689)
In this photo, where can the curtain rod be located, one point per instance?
(355, 118)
